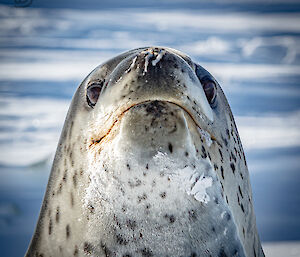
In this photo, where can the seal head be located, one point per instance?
(149, 163)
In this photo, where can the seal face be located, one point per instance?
(149, 163)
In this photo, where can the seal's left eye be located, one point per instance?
(210, 90)
(92, 94)
(208, 84)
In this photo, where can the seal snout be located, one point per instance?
(151, 75)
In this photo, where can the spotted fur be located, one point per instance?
(125, 174)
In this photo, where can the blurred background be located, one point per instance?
(47, 47)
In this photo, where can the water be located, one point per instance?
(252, 48)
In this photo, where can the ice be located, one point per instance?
(223, 214)
(147, 58)
(199, 189)
(225, 231)
(158, 58)
(189, 179)
(132, 64)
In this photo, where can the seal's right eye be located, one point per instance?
(93, 92)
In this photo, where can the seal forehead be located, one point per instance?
(152, 74)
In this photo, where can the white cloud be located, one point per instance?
(278, 130)
(210, 46)
(279, 249)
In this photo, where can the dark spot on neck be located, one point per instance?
(241, 175)
(50, 227)
(65, 176)
(216, 166)
(204, 155)
(232, 167)
(68, 231)
(221, 155)
(75, 179)
(224, 140)
(171, 218)
(57, 214)
(242, 207)
(241, 192)
(72, 199)
(87, 247)
(75, 251)
(192, 215)
(222, 253)
(228, 216)
(131, 224)
(91, 208)
(163, 195)
(170, 146)
(222, 172)
(121, 240)
(216, 200)
(146, 252)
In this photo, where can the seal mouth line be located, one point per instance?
(119, 117)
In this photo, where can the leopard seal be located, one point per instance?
(149, 163)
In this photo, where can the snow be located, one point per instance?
(199, 188)
(225, 231)
(223, 214)
(192, 181)
(132, 64)
(158, 58)
(147, 58)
